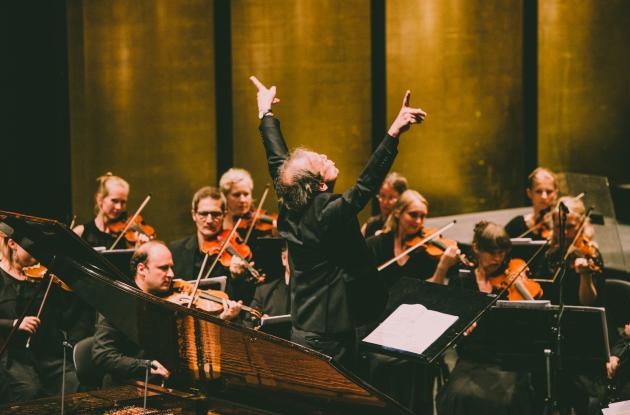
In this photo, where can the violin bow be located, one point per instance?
(221, 251)
(130, 221)
(41, 306)
(512, 280)
(422, 242)
(257, 213)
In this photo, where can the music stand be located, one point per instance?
(121, 258)
(467, 305)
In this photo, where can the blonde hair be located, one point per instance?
(403, 202)
(576, 208)
(233, 176)
(102, 190)
(538, 173)
(6, 253)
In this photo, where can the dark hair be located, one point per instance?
(296, 195)
(141, 255)
(490, 237)
(396, 181)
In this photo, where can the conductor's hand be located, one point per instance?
(29, 324)
(406, 117)
(158, 369)
(266, 96)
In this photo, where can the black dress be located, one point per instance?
(95, 237)
(28, 373)
(517, 227)
(479, 384)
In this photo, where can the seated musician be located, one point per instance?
(29, 372)
(391, 189)
(478, 383)
(111, 201)
(405, 222)
(584, 280)
(542, 191)
(208, 209)
(113, 352)
(272, 298)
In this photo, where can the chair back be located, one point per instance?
(88, 374)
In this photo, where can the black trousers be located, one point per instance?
(25, 378)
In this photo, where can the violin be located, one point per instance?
(235, 246)
(265, 222)
(585, 248)
(36, 273)
(523, 288)
(210, 301)
(437, 246)
(133, 231)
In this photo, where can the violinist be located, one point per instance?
(28, 372)
(237, 187)
(393, 186)
(405, 223)
(111, 201)
(113, 352)
(409, 384)
(208, 210)
(479, 384)
(584, 280)
(542, 190)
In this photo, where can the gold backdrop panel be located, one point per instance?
(141, 77)
(462, 61)
(317, 53)
(584, 87)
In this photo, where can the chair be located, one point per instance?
(90, 377)
(221, 282)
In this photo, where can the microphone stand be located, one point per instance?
(146, 384)
(65, 345)
(551, 400)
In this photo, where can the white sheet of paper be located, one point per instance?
(412, 328)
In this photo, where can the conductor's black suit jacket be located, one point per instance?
(335, 286)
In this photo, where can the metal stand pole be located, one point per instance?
(65, 345)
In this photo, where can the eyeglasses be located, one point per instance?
(214, 214)
(392, 199)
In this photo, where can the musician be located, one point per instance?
(327, 252)
(112, 351)
(29, 373)
(584, 280)
(406, 221)
(478, 383)
(272, 298)
(237, 186)
(393, 186)
(542, 190)
(208, 210)
(111, 201)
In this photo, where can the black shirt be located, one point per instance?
(334, 284)
(419, 265)
(272, 298)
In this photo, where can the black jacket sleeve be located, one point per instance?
(113, 353)
(275, 147)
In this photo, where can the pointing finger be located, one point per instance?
(256, 82)
(406, 98)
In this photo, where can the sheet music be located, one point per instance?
(412, 328)
(617, 408)
(275, 319)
